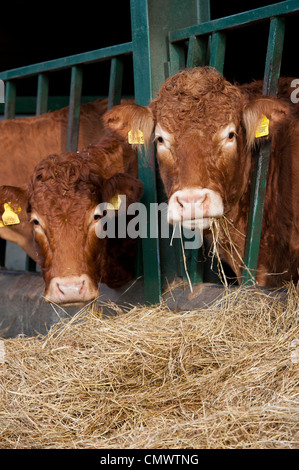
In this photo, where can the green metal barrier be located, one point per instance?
(159, 39)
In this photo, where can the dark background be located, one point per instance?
(33, 32)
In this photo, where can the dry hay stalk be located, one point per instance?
(222, 377)
(220, 229)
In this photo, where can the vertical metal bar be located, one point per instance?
(177, 58)
(42, 94)
(274, 55)
(116, 80)
(197, 52)
(147, 168)
(74, 109)
(217, 55)
(259, 183)
(10, 100)
(9, 113)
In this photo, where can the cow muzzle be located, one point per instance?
(71, 290)
(193, 207)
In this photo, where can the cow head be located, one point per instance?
(62, 205)
(204, 130)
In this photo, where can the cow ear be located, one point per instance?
(14, 200)
(131, 118)
(122, 184)
(255, 111)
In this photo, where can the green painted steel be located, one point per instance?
(85, 58)
(217, 54)
(116, 80)
(147, 168)
(235, 21)
(10, 100)
(42, 94)
(259, 184)
(74, 110)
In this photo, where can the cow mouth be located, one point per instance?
(199, 224)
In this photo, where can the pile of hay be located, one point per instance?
(222, 377)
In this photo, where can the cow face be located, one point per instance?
(62, 206)
(204, 130)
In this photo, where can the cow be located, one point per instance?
(59, 212)
(205, 133)
(25, 141)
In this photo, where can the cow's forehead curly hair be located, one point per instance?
(66, 172)
(193, 96)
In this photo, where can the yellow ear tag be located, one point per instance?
(136, 138)
(1, 224)
(263, 127)
(114, 203)
(9, 216)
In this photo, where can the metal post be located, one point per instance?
(42, 94)
(116, 80)
(147, 170)
(259, 183)
(74, 109)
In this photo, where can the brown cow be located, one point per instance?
(205, 132)
(25, 141)
(61, 203)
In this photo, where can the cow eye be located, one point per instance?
(96, 217)
(231, 135)
(160, 139)
(35, 221)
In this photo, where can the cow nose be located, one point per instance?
(185, 200)
(71, 290)
(191, 203)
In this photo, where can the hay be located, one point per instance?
(223, 377)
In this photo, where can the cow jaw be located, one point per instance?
(71, 290)
(193, 207)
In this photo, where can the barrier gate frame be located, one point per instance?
(162, 32)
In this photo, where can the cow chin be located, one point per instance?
(193, 207)
(71, 290)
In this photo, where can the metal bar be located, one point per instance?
(255, 216)
(10, 100)
(147, 167)
(9, 113)
(74, 109)
(234, 21)
(217, 54)
(197, 52)
(90, 57)
(259, 183)
(42, 94)
(274, 55)
(177, 58)
(116, 80)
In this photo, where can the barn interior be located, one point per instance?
(31, 34)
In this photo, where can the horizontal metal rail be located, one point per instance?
(247, 18)
(90, 57)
